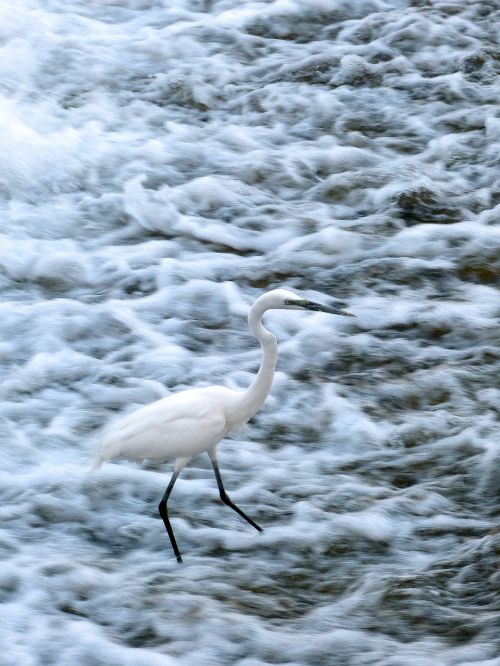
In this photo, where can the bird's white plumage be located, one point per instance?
(179, 426)
(190, 422)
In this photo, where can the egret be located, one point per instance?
(190, 422)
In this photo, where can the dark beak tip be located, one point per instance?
(340, 311)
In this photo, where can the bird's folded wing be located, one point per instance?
(166, 429)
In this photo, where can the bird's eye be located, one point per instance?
(295, 302)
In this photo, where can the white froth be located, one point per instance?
(162, 164)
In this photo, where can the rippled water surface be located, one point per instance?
(162, 164)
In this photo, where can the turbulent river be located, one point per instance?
(162, 164)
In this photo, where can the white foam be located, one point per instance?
(162, 164)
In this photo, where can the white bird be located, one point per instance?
(185, 424)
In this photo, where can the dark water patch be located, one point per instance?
(454, 598)
(422, 206)
(480, 271)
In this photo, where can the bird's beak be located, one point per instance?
(318, 307)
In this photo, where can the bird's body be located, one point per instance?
(185, 424)
(170, 428)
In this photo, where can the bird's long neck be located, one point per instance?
(252, 399)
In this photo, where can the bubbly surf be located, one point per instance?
(164, 163)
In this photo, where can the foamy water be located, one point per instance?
(164, 163)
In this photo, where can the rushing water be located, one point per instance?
(164, 162)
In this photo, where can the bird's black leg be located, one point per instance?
(162, 508)
(225, 497)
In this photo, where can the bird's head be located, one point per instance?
(283, 299)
